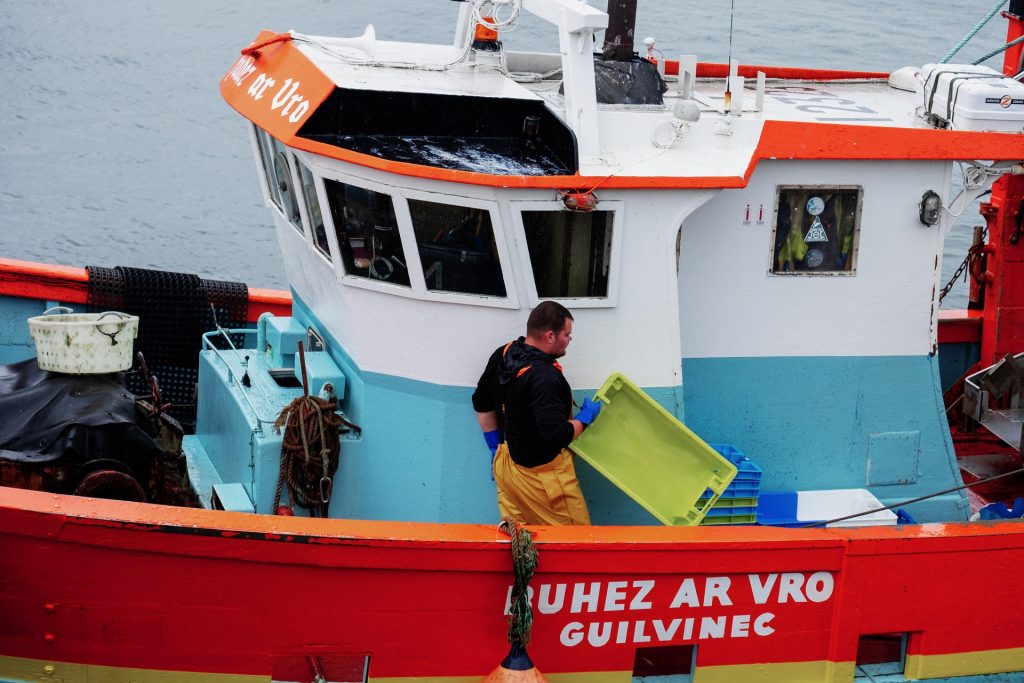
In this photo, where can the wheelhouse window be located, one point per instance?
(316, 219)
(267, 161)
(457, 248)
(816, 229)
(367, 231)
(570, 252)
(277, 167)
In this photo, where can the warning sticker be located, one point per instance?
(817, 232)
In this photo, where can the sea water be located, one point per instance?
(117, 149)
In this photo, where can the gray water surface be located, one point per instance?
(117, 149)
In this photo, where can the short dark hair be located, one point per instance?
(548, 316)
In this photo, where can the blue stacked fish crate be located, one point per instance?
(738, 503)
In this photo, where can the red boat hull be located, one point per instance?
(158, 590)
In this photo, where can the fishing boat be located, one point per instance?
(756, 248)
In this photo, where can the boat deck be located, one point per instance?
(803, 114)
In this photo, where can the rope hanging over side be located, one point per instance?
(524, 563)
(309, 452)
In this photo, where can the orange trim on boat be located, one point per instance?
(718, 70)
(94, 511)
(43, 281)
(276, 301)
(31, 268)
(70, 285)
(791, 140)
(960, 327)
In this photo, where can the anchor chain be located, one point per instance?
(973, 256)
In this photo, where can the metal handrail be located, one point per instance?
(208, 345)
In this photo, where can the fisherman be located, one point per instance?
(523, 397)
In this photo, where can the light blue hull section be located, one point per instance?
(826, 423)
(810, 423)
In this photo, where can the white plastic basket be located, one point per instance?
(84, 343)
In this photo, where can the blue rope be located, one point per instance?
(973, 32)
(1010, 44)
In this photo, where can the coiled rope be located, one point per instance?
(973, 32)
(310, 427)
(487, 12)
(524, 563)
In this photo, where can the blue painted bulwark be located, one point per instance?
(832, 423)
(15, 341)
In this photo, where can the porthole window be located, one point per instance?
(457, 248)
(316, 219)
(367, 231)
(570, 252)
(816, 229)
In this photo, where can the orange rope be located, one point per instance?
(256, 47)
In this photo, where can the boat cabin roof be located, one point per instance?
(444, 112)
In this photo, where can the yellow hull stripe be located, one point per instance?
(965, 663)
(918, 667)
(788, 672)
(18, 669)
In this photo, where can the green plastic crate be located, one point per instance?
(724, 502)
(730, 519)
(649, 454)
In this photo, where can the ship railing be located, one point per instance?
(242, 382)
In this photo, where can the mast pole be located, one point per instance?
(618, 38)
(1012, 58)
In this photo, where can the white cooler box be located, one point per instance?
(967, 97)
(803, 508)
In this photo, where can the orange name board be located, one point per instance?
(274, 85)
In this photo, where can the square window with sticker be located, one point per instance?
(817, 228)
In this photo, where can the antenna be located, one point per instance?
(728, 92)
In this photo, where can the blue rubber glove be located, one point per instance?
(493, 439)
(588, 411)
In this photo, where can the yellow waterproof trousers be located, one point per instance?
(548, 494)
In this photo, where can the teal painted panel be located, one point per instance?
(422, 456)
(893, 458)
(15, 340)
(807, 421)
